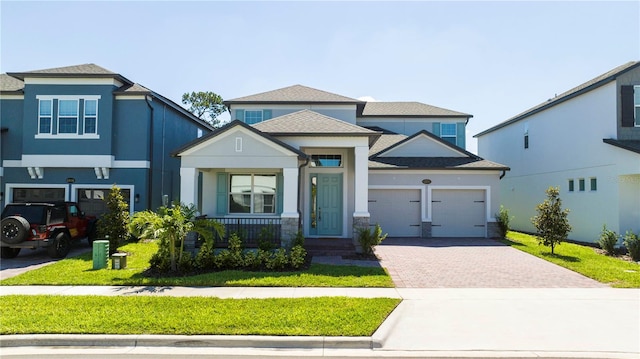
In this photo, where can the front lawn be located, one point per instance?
(327, 316)
(79, 271)
(582, 259)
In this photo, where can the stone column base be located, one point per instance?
(288, 230)
(359, 224)
(493, 230)
(426, 230)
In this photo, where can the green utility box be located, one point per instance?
(119, 261)
(100, 254)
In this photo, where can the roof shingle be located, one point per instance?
(296, 93)
(408, 109)
(10, 83)
(307, 122)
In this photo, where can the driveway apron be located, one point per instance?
(471, 263)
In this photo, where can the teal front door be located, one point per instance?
(326, 204)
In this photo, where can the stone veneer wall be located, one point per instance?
(359, 223)
(288, 230)
(493, 230)
(426, 229)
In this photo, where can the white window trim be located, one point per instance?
(73, 136)
(84, 116)
(40, 116)
(252, 194)
(68, 136)
(69, 117)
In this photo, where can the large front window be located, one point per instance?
(252, 193)
(448, 132)
(68, 116)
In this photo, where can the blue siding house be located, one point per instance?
(70, 133)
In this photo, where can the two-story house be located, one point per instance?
(70, 133)
(586, 141)
(327, 164)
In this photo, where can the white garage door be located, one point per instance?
(458, 213)
(397, 211)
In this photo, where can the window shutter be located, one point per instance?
(626, 97)
(222, 194)
(279, 193)
(436, 129)
(266, 115)
(240, 115)
(460, 132)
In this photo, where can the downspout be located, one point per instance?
(164, 115)
(504, 173)
(150, 170)
(299, 191)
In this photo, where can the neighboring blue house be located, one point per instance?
(70, 133)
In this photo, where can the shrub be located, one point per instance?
(114, 224)
(265, 238)
(368, 239)
(551, 222)
(632, 243)
(236, 249)
(252, 260)
(222, 259)
(298, 240)
(503, 219)
(298, 256)
(608, 240)
(278, 260)
(185, 263)
(204, 258)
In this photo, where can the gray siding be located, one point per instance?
(629, 78)
(11, 114)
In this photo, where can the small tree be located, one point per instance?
(114, 224)
(369, 239)
(205, 103)
(503, 219)
(551, 223)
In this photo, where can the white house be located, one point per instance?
(585, 141)
(302, 158)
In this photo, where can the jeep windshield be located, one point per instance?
(33, 214)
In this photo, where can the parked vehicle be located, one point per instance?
(44, 225)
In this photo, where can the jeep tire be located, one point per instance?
(15, 229)
(59, 245)
(8, 252)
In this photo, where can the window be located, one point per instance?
(91, 116)
(571, 185)
(45, 111)
(581, 184)
(326, 160)
(251, 117)
(68, 116)
(636, 105)
(252, 193)
(526, 140)
(448, 132)
(594, 183)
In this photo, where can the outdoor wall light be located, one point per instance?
(136, 198)
(426, 181)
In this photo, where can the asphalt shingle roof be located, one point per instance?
(578, 90)
(451, 163)
(307, 122)
(10, 83)
(629, 145)
(133, 89)
(84, 69)
(408, 109)
(296, 93)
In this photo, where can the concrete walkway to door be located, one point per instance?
(471, 263)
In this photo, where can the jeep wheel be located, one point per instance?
(6, 252)
(59, 246)
(14, 229)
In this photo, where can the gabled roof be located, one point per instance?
(84, 70)
(294, 94)
(576, 91)
(407, 109)
(10, 84)
(230, 126)
(311, 123)
(468, 161)
(629, 145)
(134, 89)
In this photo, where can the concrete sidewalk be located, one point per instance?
(439, 322)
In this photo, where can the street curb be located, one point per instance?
(379, 338)
(185, 341)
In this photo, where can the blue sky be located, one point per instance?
(490, 59)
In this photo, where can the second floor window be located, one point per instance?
(252, 117)
(636, 104)
(90, 116)
(68, 116)
(45, 117)
(448, 132)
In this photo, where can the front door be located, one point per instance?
(326, 204)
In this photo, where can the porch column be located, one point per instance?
(361, 213)
(188, 185)
(289, 216)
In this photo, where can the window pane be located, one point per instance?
(571, 188)
(636, 95)
(45, 108)
(637, 115)
(448, 129)
(581, 184)
(90, 107)
(68, 125)
(240, 203)
(68, 108)
(594, 184)
(89, 125)
(251, 117)
(451, 140)
(327, 160)
(45, 125)
(264, 184)
(240, 183)
(263, 203)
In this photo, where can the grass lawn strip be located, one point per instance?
(79, 271)
(582, 259)
(326, 316)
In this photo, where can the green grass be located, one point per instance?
(582, 259)
(330, 316)
(79, 271)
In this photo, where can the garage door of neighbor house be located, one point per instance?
(458, 213)
(397, 211)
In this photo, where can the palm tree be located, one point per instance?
(170, 225)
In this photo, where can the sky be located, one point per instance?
(492, 60)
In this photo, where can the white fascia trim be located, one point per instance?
(72, 81)
(487, 198)
(423, 204)
(68, 97)
(11, 97)
(74, 161)
(67, 136)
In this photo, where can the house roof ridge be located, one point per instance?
(407, 108)
(295, 93)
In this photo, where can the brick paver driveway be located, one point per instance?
(471, 263)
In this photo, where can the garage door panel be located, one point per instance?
(398, 211)
(458, 213)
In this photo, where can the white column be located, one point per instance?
(361, 181)
(290, 194)
(188, 186)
